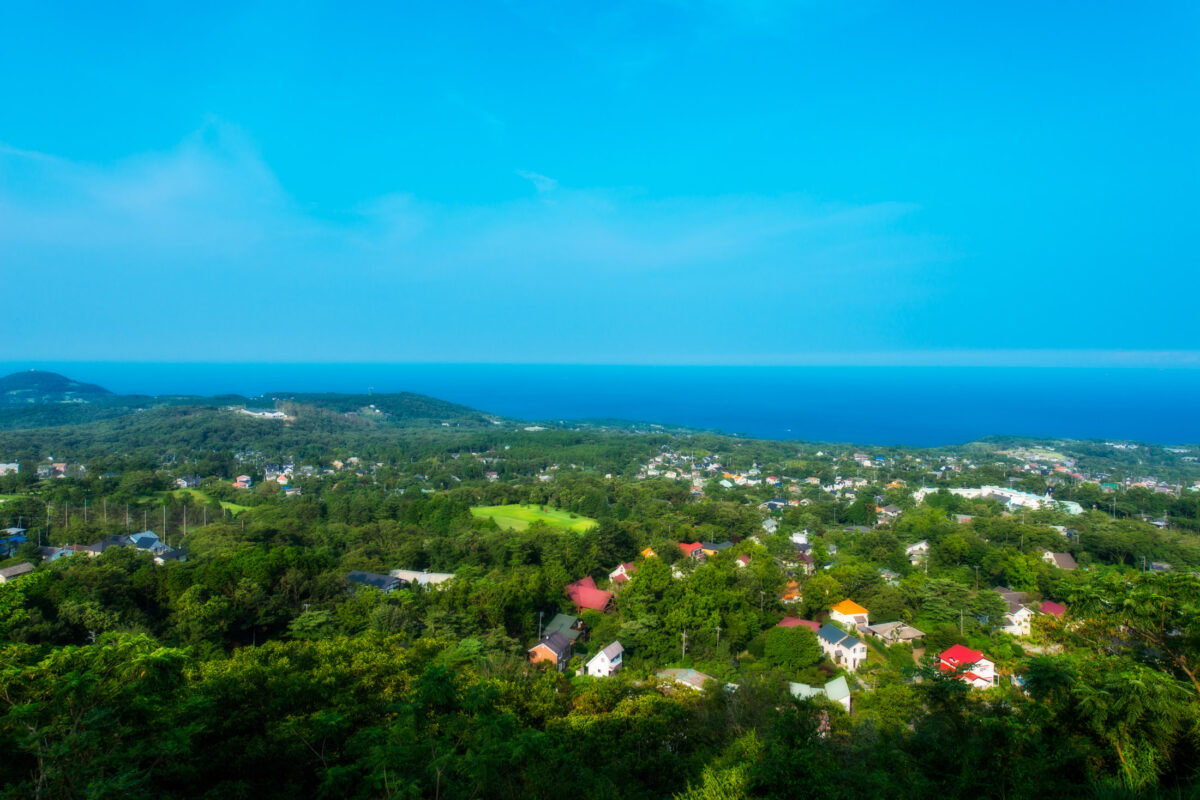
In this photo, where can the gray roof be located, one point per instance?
(557, 643)
(15, 570)
(837, 636)
(613, 650)
(1064, 560)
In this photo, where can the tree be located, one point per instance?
(791, 649)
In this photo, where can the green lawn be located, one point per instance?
(517, 517)
(202, 497)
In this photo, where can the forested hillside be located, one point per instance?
(233, 652)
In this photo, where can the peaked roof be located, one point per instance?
(584, 594)
(690, 547)
(1053, 609)
(796, 622)
(15, 570)
(555, 643)
(849, 608)
(960, 655)
(837, 636)
(564, 624)
(613, 650)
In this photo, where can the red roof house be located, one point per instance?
(584, 594)
(689, 548)
(1053, 609)
(980, 671)
(796, 622)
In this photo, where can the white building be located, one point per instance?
(917, 552)
(842, 648)
(605, 663)
(978, 672)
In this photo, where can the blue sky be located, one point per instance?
(654, 182)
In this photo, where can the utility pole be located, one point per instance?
(85, 511)
(761, 596)
(540, 615)
(684, 644)
(960, 622)
(718, 634)
(164, 523)
(104, 500)
(977, 577)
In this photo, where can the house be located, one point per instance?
(621, 573)
(842, 648)
(1018, 622)
(890, 511)
(149, 541)
(850, 614)
(605, 663)
(291, 491)
(837, 690)
(1018, 618)
(9, 468)
(568, 626)
(977, 671)
(917, 552)
(796, 622)
(10, 573)
(742, 561)
(421, 577)
(169, 555)
(893, 632)
(770, 525)
(712, 548)
(584, 594)
(384, 583)
(649, 553)
(792, 593)
(11, 539)
(54, 553)
(553, 648)
(1060, 560)
(187, 482)
(693, 549)
(889, 577)
(96, 549)
(1053, 609)
(686, 677)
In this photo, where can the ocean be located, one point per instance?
(924, 406)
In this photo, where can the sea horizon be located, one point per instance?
(870, 405)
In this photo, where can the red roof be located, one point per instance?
(689, 547)
(621, 578)
(584, 594)
(1053, 609)
(959, 656)
(795, 622)
(744, 559)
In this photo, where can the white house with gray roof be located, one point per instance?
(606, 663)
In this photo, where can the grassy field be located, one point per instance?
(518, 518)
(201, 497)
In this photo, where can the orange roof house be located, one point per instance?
(792, 593)
(850, 614)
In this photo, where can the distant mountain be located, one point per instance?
(34, 386)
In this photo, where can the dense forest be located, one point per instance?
(253, 667)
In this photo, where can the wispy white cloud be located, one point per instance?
(208, 224)
(540, 182)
